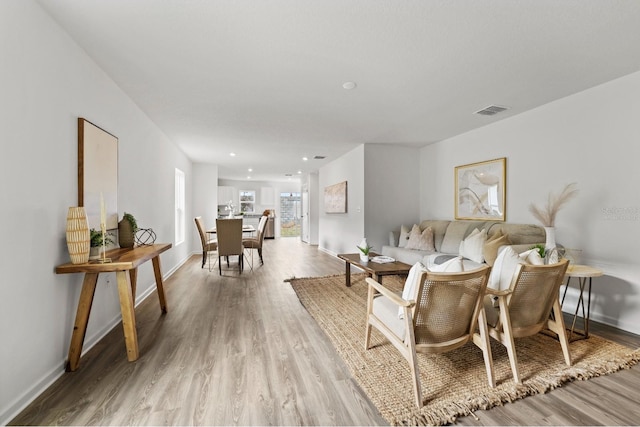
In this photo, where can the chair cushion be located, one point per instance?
(385, 310)
(251, 242)
(454, 265)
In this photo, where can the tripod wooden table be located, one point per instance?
(123, 261)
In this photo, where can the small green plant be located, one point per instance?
(96, 238)
(365, 250)
(541, 249)
(132, 221)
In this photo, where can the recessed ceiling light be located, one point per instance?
(248, 177)
(304, 159)
(250, 170)
(299, 172)
(232, 154)
(349, 85)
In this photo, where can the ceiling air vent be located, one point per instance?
(491, 110)
(319, 157)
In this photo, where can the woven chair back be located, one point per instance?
(534, 290)
(447, 307)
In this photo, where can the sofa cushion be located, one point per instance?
(408, 256)
(472, 246)
(456, 231)
(421, 240)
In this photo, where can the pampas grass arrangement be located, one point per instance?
(547, 216)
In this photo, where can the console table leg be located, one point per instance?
(133, 278)
(128, 316)
(82, 319)
(157, 271)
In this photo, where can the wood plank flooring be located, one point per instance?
(241, 350)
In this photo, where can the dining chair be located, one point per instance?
(208, 245)
(256, 242)
(229, 233)
(447, 313)
(525, 308)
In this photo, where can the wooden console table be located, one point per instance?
(123, 260)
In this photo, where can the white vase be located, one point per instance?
(551, 238)
(364, 258)
(78, 236)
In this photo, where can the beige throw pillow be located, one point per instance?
(490, 249)
(421, 240)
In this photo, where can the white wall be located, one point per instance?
(47, 82)
(590, 138)
(205, 199)
(392, 190)
(341, 232)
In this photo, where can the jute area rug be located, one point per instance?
(455, 383)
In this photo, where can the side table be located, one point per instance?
(582, 273)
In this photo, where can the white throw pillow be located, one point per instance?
(409, 292)
(503, 269)
(473, 246)
(505, 266)
(454, 265)
(404, 236)
(421, 240)
(532, 256)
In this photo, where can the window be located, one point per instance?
(180, 203)
(247, 201)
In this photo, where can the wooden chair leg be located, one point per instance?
(558, 327)
(204, 258)
(220, 265)
(260, 254)
(412, 358)
(507, 339)
(482, 341)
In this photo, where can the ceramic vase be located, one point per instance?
(364, 258)
(78, 236)
(551, 238)
(125, 234)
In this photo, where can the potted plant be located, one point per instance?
(364, 248)
(96, 243)
(127, 229)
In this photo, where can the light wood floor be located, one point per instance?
(241, 350)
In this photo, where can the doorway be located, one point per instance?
(290, 205)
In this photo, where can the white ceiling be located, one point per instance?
(264, 78)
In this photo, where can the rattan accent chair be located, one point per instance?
(446, 313)
(229, 233)
(256, 242)
(208, 245)
(525, 308)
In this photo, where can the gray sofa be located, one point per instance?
(448, 235)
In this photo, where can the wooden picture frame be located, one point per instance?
(97, 173)
(335, 198)
(480, 190)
